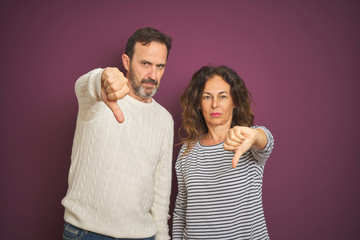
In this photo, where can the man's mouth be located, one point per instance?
(148, 85)
(149, 82)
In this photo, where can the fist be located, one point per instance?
(114, 83)
(114, 86)
(239, 139)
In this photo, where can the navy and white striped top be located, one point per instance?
(214, 200)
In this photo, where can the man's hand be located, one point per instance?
(114, 87)
(239, 139)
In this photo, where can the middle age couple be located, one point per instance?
(120, 174)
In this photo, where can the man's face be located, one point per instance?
(146, 69)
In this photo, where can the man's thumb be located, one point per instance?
(114, 107)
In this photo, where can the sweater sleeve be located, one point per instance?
(261, 155)
(180, 204)
(88, 93)
(162, 189)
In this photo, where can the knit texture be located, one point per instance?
(120, 173)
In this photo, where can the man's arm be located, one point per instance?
(162, 187)
(107, 85)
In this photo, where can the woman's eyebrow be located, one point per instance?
(222, 92)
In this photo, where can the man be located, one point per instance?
(120, 173)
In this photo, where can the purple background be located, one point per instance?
(300, 60)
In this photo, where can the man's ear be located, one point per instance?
(126, 61)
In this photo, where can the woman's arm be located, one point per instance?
(241, 139)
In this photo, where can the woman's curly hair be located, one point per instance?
(193, 120)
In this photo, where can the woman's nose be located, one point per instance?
(214, 103)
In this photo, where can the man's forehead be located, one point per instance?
(153, 50)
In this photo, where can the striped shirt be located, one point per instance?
(214, 200)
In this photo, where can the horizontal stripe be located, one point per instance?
(214, 200)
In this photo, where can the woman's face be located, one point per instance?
(216, 102)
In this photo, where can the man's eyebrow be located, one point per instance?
(151, 63)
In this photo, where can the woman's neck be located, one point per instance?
(215, 135)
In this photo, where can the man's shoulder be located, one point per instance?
(163, 112)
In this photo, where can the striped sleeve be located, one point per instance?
(261, 155)
(180, 204)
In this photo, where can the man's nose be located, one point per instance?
(152, 73)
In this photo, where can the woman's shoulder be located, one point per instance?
(186, 151)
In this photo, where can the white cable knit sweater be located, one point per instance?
(120, 173)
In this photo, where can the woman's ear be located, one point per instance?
(126, 61)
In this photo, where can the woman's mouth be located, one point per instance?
(215, 114)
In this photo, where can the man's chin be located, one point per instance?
(145, 93)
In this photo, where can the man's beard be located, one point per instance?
(141, 91)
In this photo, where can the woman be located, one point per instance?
(215, 200)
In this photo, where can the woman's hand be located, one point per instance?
(241, 139)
